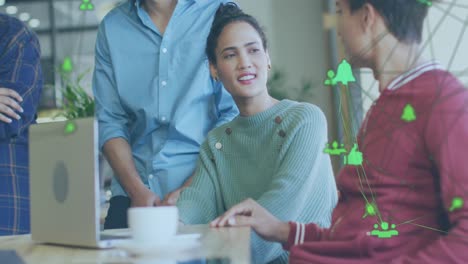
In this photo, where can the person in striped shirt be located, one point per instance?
(406, 202)
(20, 89)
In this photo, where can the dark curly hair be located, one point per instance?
(226, 14)
(404, 18)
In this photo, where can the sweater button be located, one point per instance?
(218, 145)
(278, 120)
(281, 133)
(228, 131)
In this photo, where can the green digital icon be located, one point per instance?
(70, 127)
(457, 203)
(409, 115)
(334, 150)
(371, 210)
(344, 75)
(67, 65)
(385, 232)
(86, 5)
(354, 157)
(426, 2)
(331, 78)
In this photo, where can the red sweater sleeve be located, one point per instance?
(300, 233)
(446, 138)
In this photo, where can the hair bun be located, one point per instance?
(226, 14)
(228, 10)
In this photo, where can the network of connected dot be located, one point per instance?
(347, 148)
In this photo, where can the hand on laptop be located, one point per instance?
(9, 104)
(145, 198)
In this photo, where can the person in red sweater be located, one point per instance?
(406, 202)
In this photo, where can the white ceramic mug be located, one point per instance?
(153, 226)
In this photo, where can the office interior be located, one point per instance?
(304, 46)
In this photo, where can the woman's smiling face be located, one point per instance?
(241, 61)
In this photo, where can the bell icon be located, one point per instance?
(344, 73)
(409, 115)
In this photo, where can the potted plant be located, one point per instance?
(77, 102)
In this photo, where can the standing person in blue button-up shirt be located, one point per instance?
(155, 99)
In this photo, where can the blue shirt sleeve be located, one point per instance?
(154, 90)
(111, 116)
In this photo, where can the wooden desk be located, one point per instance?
(230, 243)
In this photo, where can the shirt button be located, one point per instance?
(281, 133)
(163, 83)
(164, 50)
(218, 145)
(163, 119)
(278, 120)
(151, 176)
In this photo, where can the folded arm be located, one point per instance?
(20, 71)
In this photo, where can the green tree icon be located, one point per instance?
(86, 5)
(354, 157)
(67, 65)
(409, 115)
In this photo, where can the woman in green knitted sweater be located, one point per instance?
(272, 152)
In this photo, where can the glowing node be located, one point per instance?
(70, 127)
(371, 210)
(457, 203)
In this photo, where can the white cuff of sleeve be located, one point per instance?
(300, 234)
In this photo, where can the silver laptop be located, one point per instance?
(65, 189)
